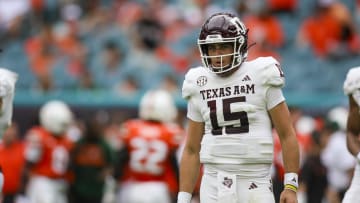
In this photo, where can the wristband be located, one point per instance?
(291, 181)
(290, 187)
(184, 197)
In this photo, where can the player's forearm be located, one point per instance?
(189, 171)
(290, 152)
(353, 128)
(353, 144)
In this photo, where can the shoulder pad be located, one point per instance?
(189, 84)
(352, 81)
(7, 88)
(270, 71)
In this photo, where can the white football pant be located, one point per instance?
(353, 193)
(144, 192)
(45, 190)
(220, 187)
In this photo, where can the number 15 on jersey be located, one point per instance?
(228, 116)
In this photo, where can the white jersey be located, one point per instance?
(352, 84)
(352, 87)
(235, 111)
(7, 92)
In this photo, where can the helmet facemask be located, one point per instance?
(219, 29)
(236, 57)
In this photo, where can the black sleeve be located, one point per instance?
(174, 163)
(121, 161)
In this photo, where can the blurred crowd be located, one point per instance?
(126, 46)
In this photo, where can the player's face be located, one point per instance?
(224, 52)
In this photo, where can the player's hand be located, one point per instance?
(288, 196)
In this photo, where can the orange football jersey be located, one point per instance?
(53, 153)
(150, 145)
(12, 162)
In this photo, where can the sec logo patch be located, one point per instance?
(201, 81)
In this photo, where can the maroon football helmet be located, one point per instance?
(223, 28)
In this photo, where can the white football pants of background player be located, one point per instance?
(220, 187)
(352, 194)
(144, 192)
(45, 190)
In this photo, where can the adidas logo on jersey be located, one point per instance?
(246, 78)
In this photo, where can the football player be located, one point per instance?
(47, 155)
(232, 105)
(7, 91)
(352, 89)
(150, 174)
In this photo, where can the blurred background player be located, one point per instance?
(12, 162)
(147, 164)
(47, 155)
(352, 89)
(92, 161)
(7, 91)
(336, 157)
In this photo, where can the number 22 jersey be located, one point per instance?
(238, 128)
(151, 145)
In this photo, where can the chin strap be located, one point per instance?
(251, 45)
